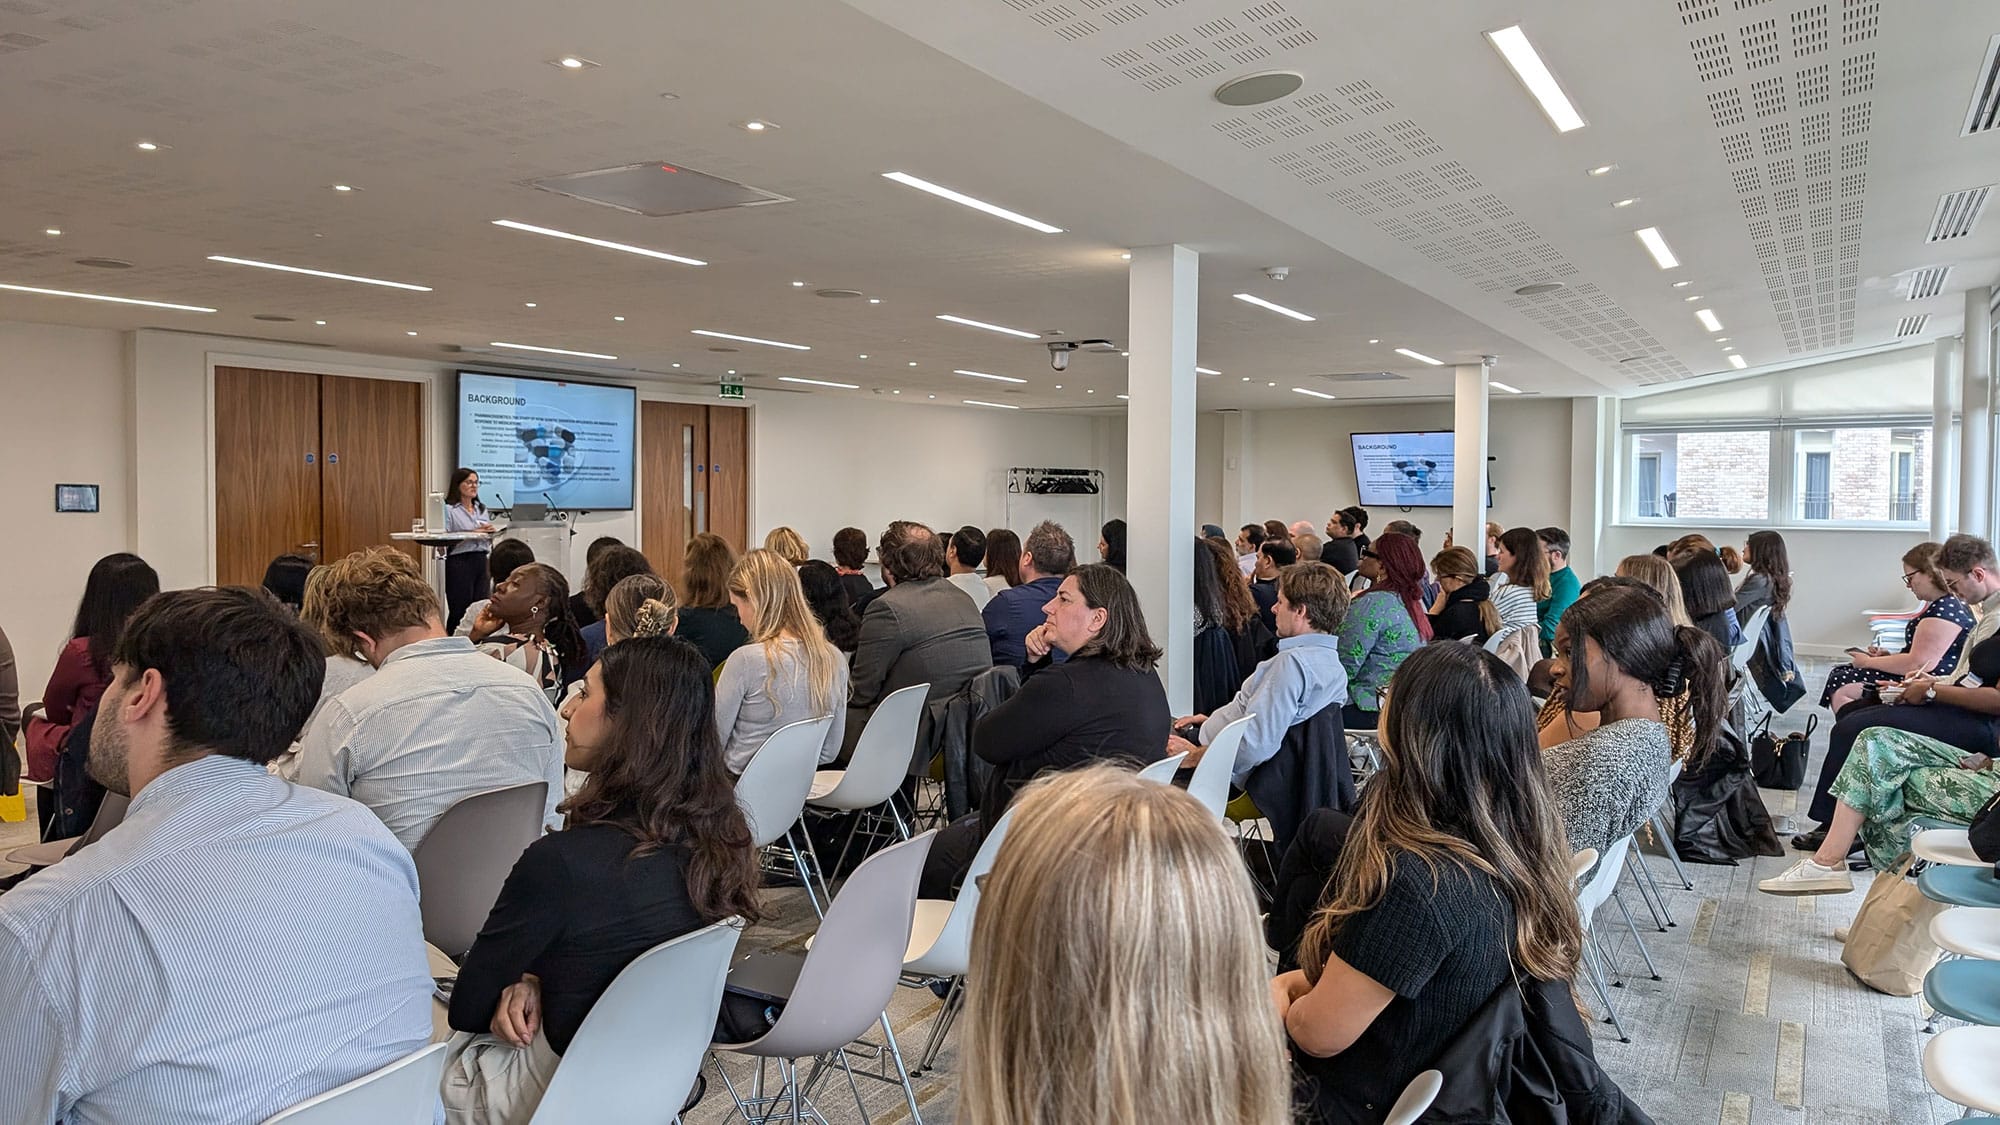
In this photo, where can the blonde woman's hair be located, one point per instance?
(641, 605)
(313, 613)
(1117, 969)
(789, 545)
(1658, 573)
(771, 585)
(1460, 562)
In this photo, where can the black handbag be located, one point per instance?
(1984, 834)
(1779, 761)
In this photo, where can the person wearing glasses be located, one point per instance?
(1463, 607)
(1384, 625)
(1931, 642)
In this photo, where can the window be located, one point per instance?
(1649, 501)
(1863, 474)
(1817, 499)
(1702, 475)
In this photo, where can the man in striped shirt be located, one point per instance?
(239, 943)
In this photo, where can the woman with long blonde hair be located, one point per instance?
(788, 671)
(1658, 573)
(1117, 970)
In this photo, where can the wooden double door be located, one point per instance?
(694, 477)
(313, 465)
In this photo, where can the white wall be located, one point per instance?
(65, 396)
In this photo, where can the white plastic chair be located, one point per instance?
(643, 1044)
(1963, 1066)
(1210, 783)
(1416, 1098)
(941, 940)
(1599, 889)
(1951, 846)
(403, 1093)
(878, 767)
(773, 792)
(1753, 635)
(1163, 770)
(464, 860)
(110, 814)
(1968, 931)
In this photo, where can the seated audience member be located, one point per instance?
(1107, 883)
(1303, 679)
(10, 706)
(788, 545)
(1492, 557)
(1383, 626)
(1968, 571)
(1214, 531)
(117, 585)
(1307, 546)
(827, 598)
(707, 620)
(1658, 575)
(641, 605)
(1711, 604)
(1563, 584)
(612, 566)
(527, 624)
(1405, 527)
(285, 580)
(1277, 529)
(1342, 549)
(508, 556)
(850, 554)
(1104, 703)
(1891, 778)
(1013, 613)
(1431, 898)
(1298, 528)
(1656, 692)
(963, 555)
(127, 1000)
(1685, 547)
(1773, 666)
(438, 721)
(1463, 607)
(921, 630)
(654, 847)
(788, 672)
(1228, 633)
(1273, 556)
(580, 609)
(1003, 560)
(1931, 642)
(1248, 540)
(1521, 583)
(1111, 545)
(344, 665)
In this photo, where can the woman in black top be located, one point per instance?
(1463, 607)
(707, 620)
(1111, 545)
(827, 596)
(1230, 639)
(1451, 882)
(655, 847)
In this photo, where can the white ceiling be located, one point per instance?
(1410, 186)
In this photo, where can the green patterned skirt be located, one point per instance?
(1893, 777)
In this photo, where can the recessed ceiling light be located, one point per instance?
(1500, 386)
(1272, 305)
(874, 300)
(1708, 319)
(753, 340)
(1058, 386)
(1420, 357)
(1695, 297)
(1729, 349)
(864, 355)
(1738, 362)
(321, 323)
(1513, 45)
(994, 405)
(147, 146)
(1090, 390)
(961, 198)
(1310, 391)
(605, 243)
(1125, 396)
(1270, 384)
(1625, 203)
(1127, 355)
(572, 62)
(550, 351)
(732, 371)
(1205, 371)
(528, 304)
(343, 187)
(1246, 378)
(1604, 169)
(989, 327)
(819, 383)
(619, 319)
(984, 375)
(933, 396)
(53, 232)
(757, 126)
(1722, 339)
(895, 392)
(1682, 284)
(101, 297)
(1374, 341)
(318, 273)
(913, 363)
(1656, 244)
(410, 333)
(798, 285)
(673, 365)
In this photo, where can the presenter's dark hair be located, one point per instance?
(116, 586)
(458, 477)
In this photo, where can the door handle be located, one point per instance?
(311, 550)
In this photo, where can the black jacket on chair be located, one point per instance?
(950, 722)
(1309, 772)
(1526, 1059)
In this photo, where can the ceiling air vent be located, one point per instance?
(1984, 112)
(1958, 212)
(1927, 282)
(1911, 325)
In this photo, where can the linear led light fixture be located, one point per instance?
(989, 327)
(984, 375)
(318, 273)
(752, 340)
(1281, 310)
(1205, 371)
(1708, 319)
(1513, 45)
(1420, 357)
(551, 351)
(819, 382)
(965, 200)
(101, 297)
(662, 255)
(1310, 391)
(1500, 386)
(1656, 245)
(1738, 362)
(994, 405)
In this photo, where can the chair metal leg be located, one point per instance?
(902, 1074)
(1641, 942)
(1604, 994)
(1661, 828)
(947, 1014)
(852, 1086)
(1604, 954)
(799, 865)
(1649, 889)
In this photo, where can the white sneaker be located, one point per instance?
(1840, 934)
(1808, 878)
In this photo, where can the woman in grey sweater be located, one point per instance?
(788, 671)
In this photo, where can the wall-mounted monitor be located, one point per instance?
(547, 440)
(1404, 470)
(76, 498)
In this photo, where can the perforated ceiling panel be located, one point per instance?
(1791, 91)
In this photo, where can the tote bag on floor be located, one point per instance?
(1889, 945)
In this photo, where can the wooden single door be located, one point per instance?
(729, 474)
(267, 479)
(371, 475)
(673, 440)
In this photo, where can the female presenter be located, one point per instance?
(465, 576)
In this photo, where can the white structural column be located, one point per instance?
(1159, 456)
(1468, 453)
(1944, 365)
(1975, 438)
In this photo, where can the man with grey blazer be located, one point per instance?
(922, 629)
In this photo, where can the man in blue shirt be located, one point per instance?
(1046, 556)
(1304, 679)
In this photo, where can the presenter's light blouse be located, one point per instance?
(457, 519)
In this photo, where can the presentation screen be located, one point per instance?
(548, 441)
(1403, 470)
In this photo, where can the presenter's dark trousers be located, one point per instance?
(465, 582)
(1969, 731)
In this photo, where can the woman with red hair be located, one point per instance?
(1384, 626)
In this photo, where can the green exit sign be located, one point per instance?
(729, 390)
